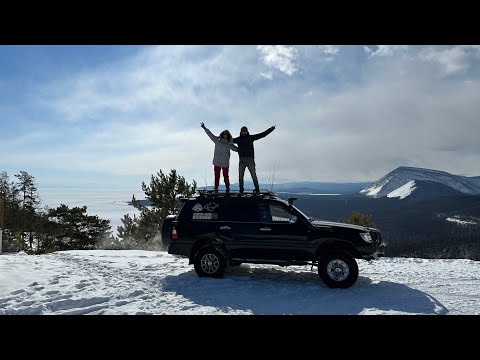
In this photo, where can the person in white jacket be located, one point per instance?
(221, 155)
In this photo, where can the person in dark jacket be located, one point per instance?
(246, 154)
(221, 155)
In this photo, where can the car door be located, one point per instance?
(282, 234)
(237, 227)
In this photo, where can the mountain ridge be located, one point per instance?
(403, 174)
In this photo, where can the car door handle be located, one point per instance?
(225, 228)
(265, 229)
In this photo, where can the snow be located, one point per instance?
(403, 191)
(375, 188)
(154, 282)
(460, 222)
(372, 191)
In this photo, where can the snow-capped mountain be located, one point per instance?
(422, 190)
(404, 181)
(403, 191)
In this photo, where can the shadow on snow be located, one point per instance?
(271, 291)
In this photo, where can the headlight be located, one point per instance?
(366, 237)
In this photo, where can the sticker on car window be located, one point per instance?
(198, 207)
(211, 206)
(204, 216)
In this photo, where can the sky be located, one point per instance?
(115, 282)
(112, 116)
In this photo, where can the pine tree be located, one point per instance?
(30, 202)
(13, 209)
(357, 218)
(128, 232)
(164, 193)
(4, 191)
(74, 229)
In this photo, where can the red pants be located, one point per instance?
(216, 170)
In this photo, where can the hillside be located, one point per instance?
(410, 226)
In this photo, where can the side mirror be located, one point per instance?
(291, 200)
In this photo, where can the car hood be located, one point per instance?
(320, 223)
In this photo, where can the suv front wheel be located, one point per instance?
(209, 262)
(338, 270)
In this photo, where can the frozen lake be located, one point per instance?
(108, 204)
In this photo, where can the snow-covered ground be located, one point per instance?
(154, 282)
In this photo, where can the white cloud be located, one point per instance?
(475, 48)
(358, 119)
(268, 75)
(452, 60)
(329, 49)
(280, 57)
(155, 78)
(385, 50)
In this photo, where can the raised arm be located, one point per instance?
(233, 147)
(209, 133)
(263, 134)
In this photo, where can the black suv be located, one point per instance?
(216, 230)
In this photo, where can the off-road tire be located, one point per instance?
(338, 270)
(209, 262)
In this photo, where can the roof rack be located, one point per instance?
(224, 193)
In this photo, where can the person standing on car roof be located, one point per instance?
(246, 154)
(221, 155)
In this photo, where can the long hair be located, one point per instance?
(229, 136)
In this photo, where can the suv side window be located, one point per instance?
(242, 210)
(276, 214)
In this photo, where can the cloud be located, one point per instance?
(279, 57)
(268, 75)
(452, 60)
(352, 119)
(399, 112)
(329, 49)
(385, 50)
(157, 77)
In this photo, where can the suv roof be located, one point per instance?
(223, 193)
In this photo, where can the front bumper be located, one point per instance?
(371, 252)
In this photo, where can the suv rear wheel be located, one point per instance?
(209, 262)
(338, 270)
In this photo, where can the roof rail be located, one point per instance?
(224, 193)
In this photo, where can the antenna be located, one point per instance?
(205, 178)
(273, 177)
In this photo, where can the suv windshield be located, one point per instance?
(309, 218)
